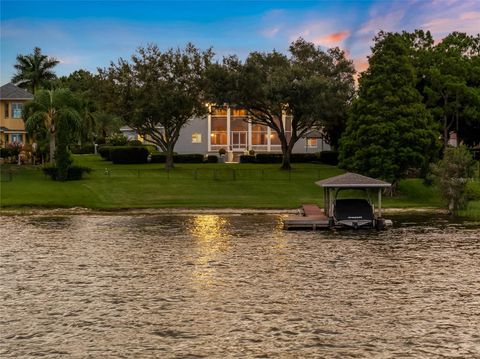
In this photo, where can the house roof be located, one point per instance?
(12, 92)
(352, 180)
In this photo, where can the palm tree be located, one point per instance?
(33, 70)
(51, 110)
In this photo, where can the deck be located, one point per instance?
(311, 218)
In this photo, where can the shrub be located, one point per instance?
(158, 157)
(188, 158)
(222, 151)
(269, 158)
(5, 152)
(212, 159)
(104, 151)
(452, 174)
(100, 141)
(247, 159)
(329, 157)
(128, 154)
(15, 148)
(251, 152)
(117, 140)
(304, 157)
(135, 143)
(85, 149)
(73, 172)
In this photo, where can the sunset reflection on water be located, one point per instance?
(211, 239)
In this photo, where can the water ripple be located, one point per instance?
(236, 286)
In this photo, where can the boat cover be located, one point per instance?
(353, 209)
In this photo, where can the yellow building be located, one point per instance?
(12, 127)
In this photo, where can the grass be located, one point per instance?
(188, 185)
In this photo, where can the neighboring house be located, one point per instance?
(12, 127)
(229, 129)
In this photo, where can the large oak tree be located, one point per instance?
(158, 92)
(312, 85)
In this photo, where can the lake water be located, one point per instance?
(220, 286)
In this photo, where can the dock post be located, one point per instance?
(379, 203)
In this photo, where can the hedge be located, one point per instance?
(188, 158)
(304, 157)
(104, 151)
(268, 158)
(212, 159)
(128, 154)
(73, 173)
(329, 157)
(247, 159)
(158, 157)
(80, 150)
(5, 152)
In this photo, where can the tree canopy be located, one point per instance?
(34, 70)
(313, 86)
(450, 84)
(389, 129)
(51, 111)
(157, 93)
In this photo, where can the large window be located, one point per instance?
(218, 135)
(17, 109)
(7, 110)
(16, 137)
(259, 135)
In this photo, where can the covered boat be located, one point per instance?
(353, 212)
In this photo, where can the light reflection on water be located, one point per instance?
(224, 286)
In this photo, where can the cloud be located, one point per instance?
(333, 39)
(270, 32)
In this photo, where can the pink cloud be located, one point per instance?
(332, 39)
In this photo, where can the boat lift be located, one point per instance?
(344, 213)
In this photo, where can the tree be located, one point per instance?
(451, 175)
(106, 124)
(311, 85)
(51, 110)
(157, 93)
(87, 87)
(34, 70)
(389, 130)
(450, 84)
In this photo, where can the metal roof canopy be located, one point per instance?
(353, 181)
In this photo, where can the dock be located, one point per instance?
(312, 217)
(354, 213)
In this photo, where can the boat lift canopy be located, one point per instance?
(350, 181)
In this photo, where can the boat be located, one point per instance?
(339, 212)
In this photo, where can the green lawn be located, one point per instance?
(188, 185)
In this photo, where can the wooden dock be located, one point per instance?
(312, 217)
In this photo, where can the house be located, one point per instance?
(228, 128)
(12, 127)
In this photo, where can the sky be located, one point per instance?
(90, 34)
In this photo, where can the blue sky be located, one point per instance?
(90, 34)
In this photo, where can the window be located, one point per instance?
(17, 109)
(16, 137)
(196, 138)
(311, 142)
(7, 111)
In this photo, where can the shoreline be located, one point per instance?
(185, 211)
